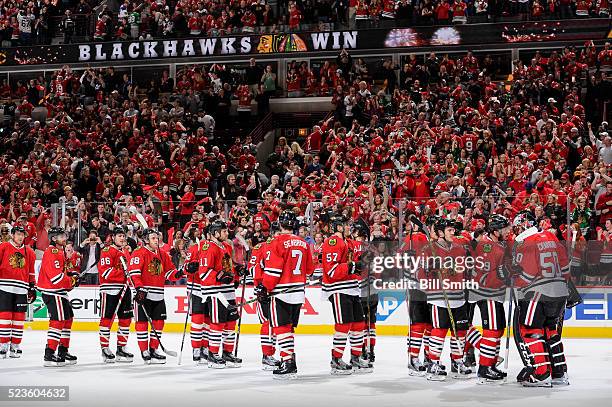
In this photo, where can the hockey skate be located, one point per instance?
(436, 372)
(459, 370)
(560, 379)
(499, 371)
(270, 363)
(146, 357)
(339, 367)
(286, 371)
(470, 358)
(123, 356)
(107, 356)
(215, 361)
(529, 378)
(361, 365)
(4, 350)
(197, 355)
(415, 367)
(231, 360)
(51, 359)
(63, 353)
(203, 356)
(489, 375)
(156, 357)
(15, 351)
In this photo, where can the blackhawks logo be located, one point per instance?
(332, 242)
(17, 261)
(227, 263)
(155, 267)
(487, 248)
(205, 246)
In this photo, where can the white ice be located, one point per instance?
(93, 383)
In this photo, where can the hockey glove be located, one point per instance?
(262, 294)
(411, 253)
(503, 273)
(31, 293)
(225, 277)
(353, 268)
(192, 267)
(241, 270)
(74, 279)
(141, 295)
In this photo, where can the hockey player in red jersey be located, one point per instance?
(16, 291)
(418, 309)
(358, 244)
(441, 299)
(491, 275)
(54, 282)
(540, 270)
(287, 262)
(115, 296)
(341, 275)
(148, 270)
(199, 324)
(266, 334)
(218, 279)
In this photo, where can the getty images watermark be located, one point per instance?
(429, 273)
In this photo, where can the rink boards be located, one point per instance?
(592, 319)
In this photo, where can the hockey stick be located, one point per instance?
(186, 319)
(510, 304)
(243, 283)
(444, 293)
(408, 302)
(146, 314)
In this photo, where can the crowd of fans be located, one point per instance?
(37, 22)
(440, 136)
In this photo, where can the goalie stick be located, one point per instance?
(146, 314)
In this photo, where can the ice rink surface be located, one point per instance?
(93, 383)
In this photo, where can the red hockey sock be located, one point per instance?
(214, 337)
(195, 333)
(229, 336)
(371, 330)
(205, 331)
(340, 337)
(6, 323)
(286, 342)
(426, 336)
(534, 339)
(415, 339)
(158, 324)
(142, 333)
(17, 328)
(65, 339)
(473, 338)
(123, 332)
(356, 336)
(457, 345)
(54, 334)
(104, 331)
(266, 338)
(489, 347)
(436, 343)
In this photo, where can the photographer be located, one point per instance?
(90, 249)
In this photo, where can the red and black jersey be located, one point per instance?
(287, 262)
(214, 259)
(150, 269)
(16, 268)
(441, 271)
(336, 254)
(194, 283)
(256, 262)
(53, 279)
(544, 263)
(492, 256)
(111, 270)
